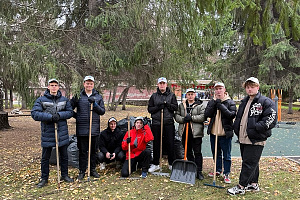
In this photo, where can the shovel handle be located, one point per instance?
(90, 142)
(129, 149)
(57, 155)
(186, 140)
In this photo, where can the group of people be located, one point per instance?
(252, 124)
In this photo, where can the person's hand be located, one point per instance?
(187, 118)
(145, 121)
(218, 100)
(218, 103)
(128, 140)
(107, 155)
(112, 156)
(91, 99)
(55, 117)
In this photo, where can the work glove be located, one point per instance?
(187, 118)
(218, 103)
(128, 140)
(55, 117)
(145, 121)
(91, 99)
(161, 106)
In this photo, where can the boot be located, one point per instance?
(200, 175)
(67, 179)
(94, 173)
(42, 183)
(81, 175)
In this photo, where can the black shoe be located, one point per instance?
(94, 173)
(42, 183)
(67, 179)
(81, 175)
(200, 176)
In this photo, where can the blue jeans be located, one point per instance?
(223, 146)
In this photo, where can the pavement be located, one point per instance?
(285, 142)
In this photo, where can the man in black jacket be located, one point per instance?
(162, 100)
(87, 97)
(221, 109)
(255, 119)
(110, 142)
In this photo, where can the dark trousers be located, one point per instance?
(83, 146)
(119, 157)
(63, 161)
(168, 142)
(194, 153)
(142, 160)
(223, 146)
(250, 163)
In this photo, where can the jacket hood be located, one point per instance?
(226, 97)
(111, 119)
(165, 93)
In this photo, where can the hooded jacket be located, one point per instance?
(228, 111)
(262, 117)
(139, 140)
(171, 105)
(43, 110)
(83, 113)
(197, 115)
(111, 141)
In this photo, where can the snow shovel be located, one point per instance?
(129, 152)
(90, 143)
(161, 138)
(215, 166)
(57, 156)
(184, 171)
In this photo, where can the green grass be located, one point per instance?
(279, 179)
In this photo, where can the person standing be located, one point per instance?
(222, 110)
(110, 143)
(87, 97)
(164, 100)
(191, 111)
(140, 135)
(255, 119)
(51, 109)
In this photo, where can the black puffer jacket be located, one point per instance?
(171, 105)
(228, 112)
(111, 141)
(262, 118)
(43, 110)
(83, 113)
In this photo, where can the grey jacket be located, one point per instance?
(197, 115)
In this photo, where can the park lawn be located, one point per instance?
(279, 179)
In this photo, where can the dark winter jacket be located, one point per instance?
(111, 141)
(139, 140)
(228, 112)
(156, 103)
(262, 118)
(43, 109)
(197, 114)
(83, 113)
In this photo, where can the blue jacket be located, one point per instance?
(262, 117)
(43, 109)
(83, 113)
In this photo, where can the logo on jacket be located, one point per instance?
(271, 118)
(256, 109)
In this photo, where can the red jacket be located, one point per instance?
(139, 140)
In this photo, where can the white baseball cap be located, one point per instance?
(252, 79)
(162, 79)
(89, 78)
(112, 119)
(53, 80)
(220, 84)
(190, 90)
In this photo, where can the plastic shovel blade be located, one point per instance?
(184, 171)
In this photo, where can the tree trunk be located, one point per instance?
(108, 105)
(3, 115)
(291, 95)
(124, 98)
(23, 104)
(11, 98)
(6, 98)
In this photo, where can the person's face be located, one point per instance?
(138, 124)
(112, 125)
(190, 96)
(53, 88)
(252, 90)
(88, 85)
(162, 86)
(220, 92)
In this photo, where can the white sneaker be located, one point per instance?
(170, 167)
(102, 166)
(153, 168)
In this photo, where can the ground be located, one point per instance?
(20, 154)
